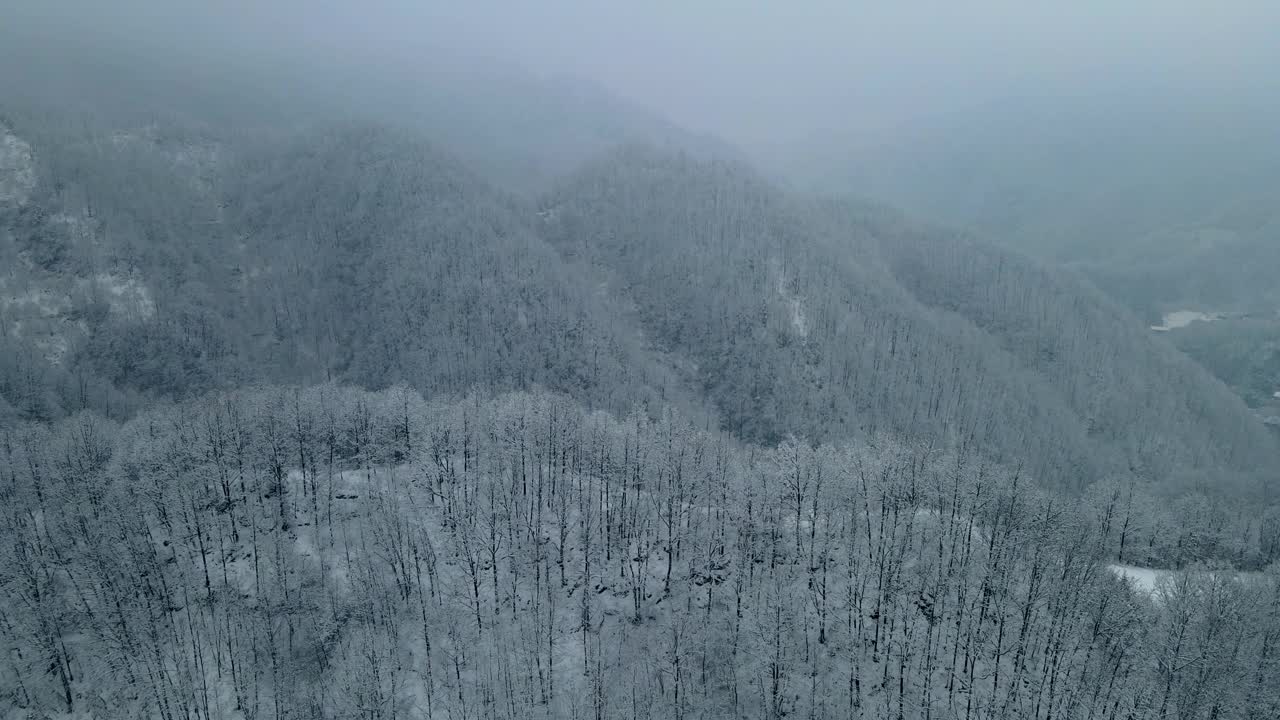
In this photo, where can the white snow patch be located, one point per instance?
(799, 320)
(196, 155)
(37, 303)
(79, 228)
(122, 138)
(125, 295)
(1149, 581)
(1142, 579)
(42, 311)
(17, 169)
(39, 315)
(795, 302)
(1183, 318)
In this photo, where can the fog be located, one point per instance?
(752, 72)
(1066, 129)
(582, 358)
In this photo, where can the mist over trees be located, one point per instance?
(651, 277)
(396, 380)
(831, 317)
(1163, 197)
(948, 443)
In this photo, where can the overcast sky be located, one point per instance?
(749, 70)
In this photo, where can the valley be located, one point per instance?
(568, 361)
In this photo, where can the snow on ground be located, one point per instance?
(126, 296)
(1183, 318)
(39, 314)
(17, 169)
(977, 533)
(40, 308)
(1147, 581)
(1142, 579)
(795, 302)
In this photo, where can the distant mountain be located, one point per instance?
(443, 393)
(165, 260)
(828, 318)
(516, 129)
(1165, 200)
(383, 260)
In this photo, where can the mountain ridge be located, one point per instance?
(649, 276)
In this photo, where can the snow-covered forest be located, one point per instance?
(563, 360)
(331, 552)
